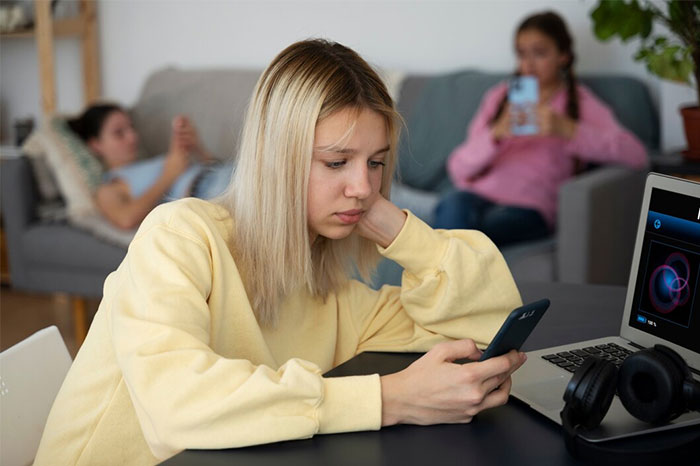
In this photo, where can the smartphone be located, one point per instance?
(515, 330)
(523, 95)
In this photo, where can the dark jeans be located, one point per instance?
(504, 224)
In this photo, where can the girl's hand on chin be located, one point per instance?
(381, 222)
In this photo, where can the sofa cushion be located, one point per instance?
(46, 182)
(76, 171)
(215, 100)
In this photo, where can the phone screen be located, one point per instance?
(523, 95)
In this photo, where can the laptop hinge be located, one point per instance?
(631, 343)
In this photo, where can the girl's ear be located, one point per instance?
(94, 145)
(564, 60)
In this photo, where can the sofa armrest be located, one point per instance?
(19, 195)
(598, 214)
(19, 199)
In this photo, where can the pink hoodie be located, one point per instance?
(527, 171)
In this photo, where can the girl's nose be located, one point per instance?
(527, 67)
(358, 184)
(133, 137)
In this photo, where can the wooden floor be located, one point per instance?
(22, 314)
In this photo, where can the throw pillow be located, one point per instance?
(66, 156)
(34, 149)
(89, 166)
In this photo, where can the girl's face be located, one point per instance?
(346, 171)
(117, 142)
(539, 56)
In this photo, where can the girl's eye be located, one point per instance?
(376, 164)
(336, 164)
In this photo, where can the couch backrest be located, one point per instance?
(438, 110)
(214, 99)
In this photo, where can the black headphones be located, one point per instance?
(655, 385)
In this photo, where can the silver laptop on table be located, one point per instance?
(662, 306)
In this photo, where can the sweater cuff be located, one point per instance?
(417, 246)
(350, 404)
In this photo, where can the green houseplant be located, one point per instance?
(673, 54)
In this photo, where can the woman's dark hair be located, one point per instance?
(89, 124)
(554, 27)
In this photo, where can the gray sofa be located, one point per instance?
(597, 210)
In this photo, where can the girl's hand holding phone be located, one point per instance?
(501, 128)
(436, 390)
(554, 124)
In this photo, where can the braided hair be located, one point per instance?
(554, 27)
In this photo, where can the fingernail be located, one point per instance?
(523, 356)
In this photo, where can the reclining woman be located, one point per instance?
(507, 184)
(215, 330)
(132, 188)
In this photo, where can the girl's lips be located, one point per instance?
(350, 216)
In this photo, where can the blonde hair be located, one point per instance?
(307, 82)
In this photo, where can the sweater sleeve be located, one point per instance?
(455, 285)
(187, 396)
(600, 138)
(478, 151)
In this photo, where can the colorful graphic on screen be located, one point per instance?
(667, 300)
(670, 283)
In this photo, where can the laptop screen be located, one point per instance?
(666, 301)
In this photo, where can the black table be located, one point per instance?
(508, 435)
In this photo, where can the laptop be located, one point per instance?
(31, 373)
(662, 305)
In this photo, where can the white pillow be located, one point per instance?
(34, 148)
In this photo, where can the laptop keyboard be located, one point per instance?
(572, 359)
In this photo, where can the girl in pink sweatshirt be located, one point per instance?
(507, 185)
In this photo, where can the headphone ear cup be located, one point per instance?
(650, 386)
(592, 395)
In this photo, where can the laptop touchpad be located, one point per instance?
(549, 394)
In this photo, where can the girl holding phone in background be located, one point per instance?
(507, 184)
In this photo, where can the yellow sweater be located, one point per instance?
(175, 358)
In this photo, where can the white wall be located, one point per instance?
(137, 37)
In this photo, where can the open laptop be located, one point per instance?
(662, 306)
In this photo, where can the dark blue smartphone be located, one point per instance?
(515, 330)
